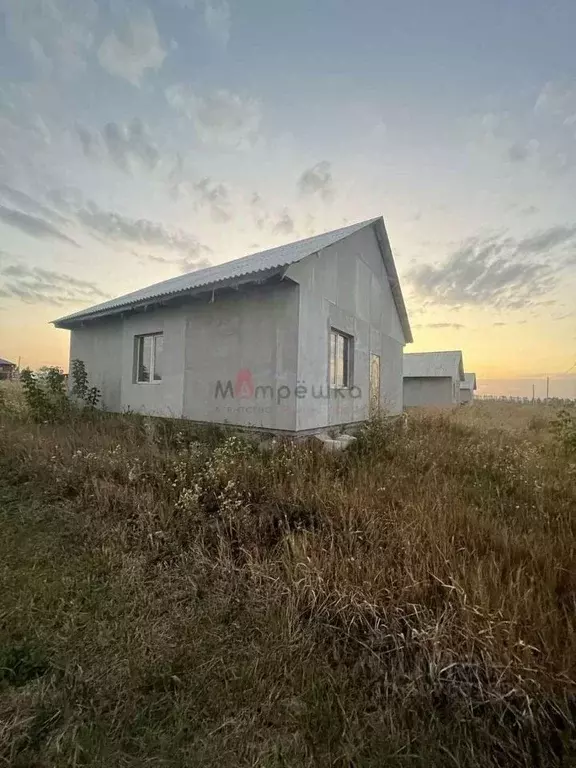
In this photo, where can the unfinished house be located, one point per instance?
(432, 378)
(295, 339)
(467, 388)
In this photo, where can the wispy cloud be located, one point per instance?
(545, 240)
(540, 137)
(556, 99)
(56, 34)
(318, 180)
(33, 226)
(28, 204)
(36, 285)
(284, 225)
(500, 272)
(216, 197)
(133, 49)
(221, 117)
(185, 249)
(519, 151)
(217, 18)
(126, 145)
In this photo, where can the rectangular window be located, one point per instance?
(148, 350)
(340, 359)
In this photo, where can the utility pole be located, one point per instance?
(547, 388)
(533, 393)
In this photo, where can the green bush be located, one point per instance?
(81, 389)
(564, 427)
(46, 395)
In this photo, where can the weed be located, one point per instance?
(172, 595)
(564, 427)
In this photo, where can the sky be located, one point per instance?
(140, 139)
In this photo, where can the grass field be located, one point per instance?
(176, 597)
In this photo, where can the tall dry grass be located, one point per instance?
(175, 596)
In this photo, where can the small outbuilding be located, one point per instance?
(295, 339)
(433, 378)
(7, 369)
(467, 388)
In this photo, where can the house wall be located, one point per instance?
(346, 287)
(99, 346)
(466, 396)
(166, 397)
(254, 331)
(107, 349)
(432, 391)
(204, 342)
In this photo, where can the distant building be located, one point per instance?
(433, 378)
(467, 388)
(7, 369)
(296, 339)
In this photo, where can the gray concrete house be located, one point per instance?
(294, 339)
(433, 378)
(467, 388)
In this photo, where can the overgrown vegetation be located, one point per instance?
(178, 596)
(46, 395)
(564, 426)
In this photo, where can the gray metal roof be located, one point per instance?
(6, 362)
(434, 364)
(469, 381)
(273, 258)
(256, 266)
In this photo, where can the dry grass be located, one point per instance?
(175, 597)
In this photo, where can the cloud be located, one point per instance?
(519, 152)
(126, 145)
(318, 181)
(220, 118)
(204, 192)
(217, 20)
(556, 99)
(56, 34)
(216, 197)
(454, 326)
(547, 239)
(88, 140)
(28, 204)
(284, 225)
(32, 225)
(135, 48)
(35, 285)
(187, 251)
(499, 272)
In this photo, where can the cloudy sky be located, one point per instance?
(144, 138)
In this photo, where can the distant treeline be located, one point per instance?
(555, 401)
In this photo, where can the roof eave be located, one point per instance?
(256, 278)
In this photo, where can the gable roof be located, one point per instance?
(469, 381)
(434, 364)
(6, 362)
(257, 267)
